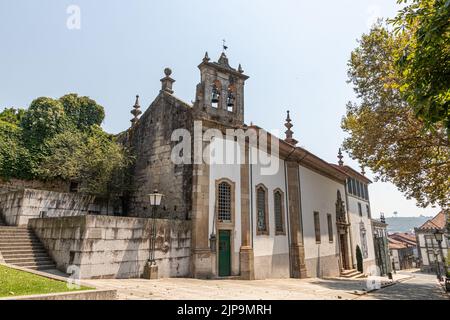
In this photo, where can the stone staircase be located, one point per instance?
(19, 246)
(351, 274)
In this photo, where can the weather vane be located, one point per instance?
(224, 46)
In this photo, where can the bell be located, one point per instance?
(215, 95)
(230, 100)
(215, 98)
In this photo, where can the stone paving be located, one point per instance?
(419, 287)
(409, 285)
(195, 289)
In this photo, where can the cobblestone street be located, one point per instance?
(420, 286)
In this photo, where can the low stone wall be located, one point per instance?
(17, 207)
(17, 184)
(114, 247)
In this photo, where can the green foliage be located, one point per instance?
(62, 140)
(12, 115)
(83, 112)
(13, 156)
(91, 157)
(359, 259)
(424, 59)
(44, 118)
(384, 133)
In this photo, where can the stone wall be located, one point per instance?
(17, 184)
(115, 247)
(17, 207)
(151, 142)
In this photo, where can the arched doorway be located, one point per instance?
(342, 229)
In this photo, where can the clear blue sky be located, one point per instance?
(295, 53)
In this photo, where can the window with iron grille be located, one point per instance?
(278, 204)
(261, 202)
(360, 209)
(317, 226)
(224, 202)
(330, 227)
(366, 190)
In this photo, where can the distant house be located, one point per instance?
(428, 247)
(403, 250)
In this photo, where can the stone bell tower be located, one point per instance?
(220, 94)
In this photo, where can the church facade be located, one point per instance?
(260, 206)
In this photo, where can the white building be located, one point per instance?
(429, 249)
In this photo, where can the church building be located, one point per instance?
(260, 206)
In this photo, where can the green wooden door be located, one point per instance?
(224, 253)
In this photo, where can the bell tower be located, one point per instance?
(220, 93)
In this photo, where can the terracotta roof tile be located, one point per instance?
(438, 222)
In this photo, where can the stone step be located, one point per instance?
(21, 247)
(15, 234)
(37, 260)
(23, 252)
(18, 237)
(30, 253)
(346, 271)
(350, 273)
(13, 228)
(18, 242)
(35, 266)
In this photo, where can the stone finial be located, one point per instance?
(289, 132)
(136, 111)
(223, 60)
(240, 70)
(206, 57)
(340, 157)
(382, 218)
(167, 81)
(363, 172)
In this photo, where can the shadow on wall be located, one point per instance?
(130, 264)
(319, 272)
(280, 266)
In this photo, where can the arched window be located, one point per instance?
(224, 202)
(279, 212)
(215, 94)
(261, 207)
(231, 97)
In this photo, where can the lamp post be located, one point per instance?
(439, 235)
(151, 269)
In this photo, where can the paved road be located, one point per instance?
(419, 287)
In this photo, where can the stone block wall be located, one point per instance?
(115, 247)
(151, 142)
(17, 184)
(17, 207)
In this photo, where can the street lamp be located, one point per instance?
(439, 235)
(151, 269)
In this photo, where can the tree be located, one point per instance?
(93, 158)
(12, 115)
(359, 259)
(14, 157)
(424, 59)
(44, 118)
(62, 140)
(385, 135)
(82, 112)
